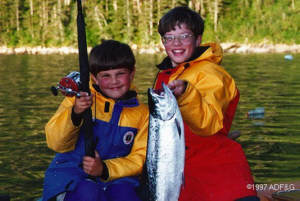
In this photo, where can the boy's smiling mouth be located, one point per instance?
(178, 51)
(115, 88)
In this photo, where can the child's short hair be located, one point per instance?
(111, 54)
(181, 15)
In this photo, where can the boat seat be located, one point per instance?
(292, 195)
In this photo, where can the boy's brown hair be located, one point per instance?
(111, 54)
(181, 15)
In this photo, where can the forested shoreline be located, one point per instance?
(52, 23)
(227, 48)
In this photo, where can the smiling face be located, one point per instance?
(114, 83)
(180, 49)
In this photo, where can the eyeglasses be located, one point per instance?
(184, 38)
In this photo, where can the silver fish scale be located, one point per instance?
(165, 156)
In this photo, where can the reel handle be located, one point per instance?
(54, 90)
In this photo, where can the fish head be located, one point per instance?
(162, 103)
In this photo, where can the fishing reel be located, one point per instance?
(68, 85)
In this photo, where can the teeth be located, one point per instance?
(178, 51)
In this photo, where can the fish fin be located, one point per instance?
(183, 181)
(178, 127)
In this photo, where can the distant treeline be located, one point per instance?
(53, 22)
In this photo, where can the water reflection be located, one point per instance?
(271, 143)
(26, 104)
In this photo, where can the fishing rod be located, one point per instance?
(84, 79)
(74, 82)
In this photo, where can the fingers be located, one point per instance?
(83, 94)
(178, 87)
(96, 154)
(172, 85)
(89, 166)
(83, 102)
(93, 166)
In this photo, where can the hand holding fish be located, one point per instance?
(177, 87)
(83, 102)
(93, 166)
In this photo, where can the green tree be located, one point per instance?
(53, 22)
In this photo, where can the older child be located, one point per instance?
(216, 168)
(120, 133)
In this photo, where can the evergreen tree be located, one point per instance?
(53, 22)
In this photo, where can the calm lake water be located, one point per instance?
(272, 144)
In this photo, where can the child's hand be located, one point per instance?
(83, 102)
(93, 166)
(178, 87)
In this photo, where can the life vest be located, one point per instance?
(113, 141)
(216, 168)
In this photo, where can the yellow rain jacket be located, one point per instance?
(212, 160)
(209, 91)
(62, 135)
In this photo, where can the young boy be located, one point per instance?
(120, 133)
(216, 168)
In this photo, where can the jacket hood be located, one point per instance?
(212, 52)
